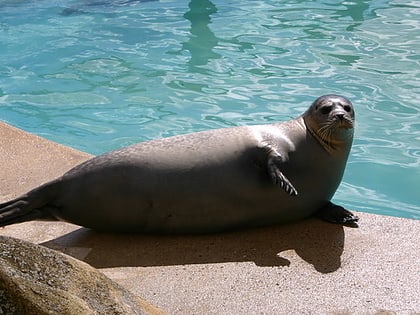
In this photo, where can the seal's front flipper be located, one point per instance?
(336, 214)
(277, 176)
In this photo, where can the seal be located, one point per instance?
(206, 181)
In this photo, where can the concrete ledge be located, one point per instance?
(309, 267)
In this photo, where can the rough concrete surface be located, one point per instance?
(308, 267)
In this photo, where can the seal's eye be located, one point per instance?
(347, 108)
(326, 110)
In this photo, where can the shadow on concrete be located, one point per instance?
(318, 243)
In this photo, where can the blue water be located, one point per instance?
(100, 74)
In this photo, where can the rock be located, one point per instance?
(38, 280)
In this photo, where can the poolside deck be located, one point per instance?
(309, 267)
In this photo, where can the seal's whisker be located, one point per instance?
(325, 132)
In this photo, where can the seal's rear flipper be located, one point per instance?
(16, 211)
(336, 214)
(31, 206)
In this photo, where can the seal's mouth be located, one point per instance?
(328, 131)
(344, 123)
(340, 121)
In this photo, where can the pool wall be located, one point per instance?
(309, 267)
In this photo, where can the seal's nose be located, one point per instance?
(340, 116)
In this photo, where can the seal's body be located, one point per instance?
(206, 181)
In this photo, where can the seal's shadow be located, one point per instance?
(318, 243)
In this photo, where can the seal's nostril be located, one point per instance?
(340, 116)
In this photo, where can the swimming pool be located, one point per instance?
(100, 74)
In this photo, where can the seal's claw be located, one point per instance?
(288, 187)
(281, 180)
(278, 178)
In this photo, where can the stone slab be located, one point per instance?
(308, 267)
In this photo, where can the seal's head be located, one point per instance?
(330, 119)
